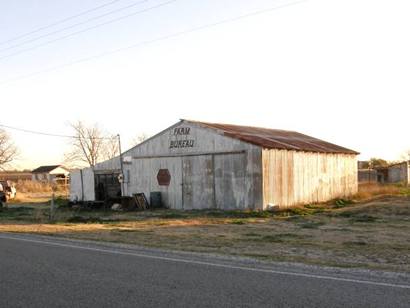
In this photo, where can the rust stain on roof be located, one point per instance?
(276, 138)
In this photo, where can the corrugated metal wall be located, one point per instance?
(210, 170)
(367, 176)
(197, 182)
(207, 170)
(399, 173)
(143, 178)
(82, 185)
(292, 178)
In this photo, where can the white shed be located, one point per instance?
(197, 165)
(51, 174)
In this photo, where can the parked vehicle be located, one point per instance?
(2, 196)
(8, 189)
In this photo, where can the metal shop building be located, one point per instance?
(197, 165)
(396, 173)
(399, 173)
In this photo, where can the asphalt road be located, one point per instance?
(40, 271)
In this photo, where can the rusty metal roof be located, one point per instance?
(276, 138)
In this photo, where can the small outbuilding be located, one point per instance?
(55, 174)
(397, 173)
(198, 165)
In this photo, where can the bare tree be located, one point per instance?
(8, 151)
(90, 145)
(139, 138)
(111, 147)
(406, 155)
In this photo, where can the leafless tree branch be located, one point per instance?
(139, 138)
(406, 155)
(90, 146)
(8, 151)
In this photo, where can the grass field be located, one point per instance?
(373, 233)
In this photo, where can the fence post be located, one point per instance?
(52, 207)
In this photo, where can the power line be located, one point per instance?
(36, 132)
(89, 28)
(74, 25)
(47, 134)
(59, 22)
(152, 41)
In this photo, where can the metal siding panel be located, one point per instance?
(143, 178)
(278, 179)
(254, 179)
(198, 182)
(89, 190)
(207, 140)
(143, 171)
(230, 173)
(316, 177)
(267, 171)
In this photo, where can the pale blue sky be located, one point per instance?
(337, 70)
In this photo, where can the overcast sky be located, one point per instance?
(338, 70)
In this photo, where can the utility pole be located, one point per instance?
(121, 165)
(370, 168)
(52, 207)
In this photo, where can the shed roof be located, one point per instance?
(276, 138)
(46, 169)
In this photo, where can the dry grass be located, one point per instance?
(33, 187)
(24, 199)
(371, 190)
(37, 187)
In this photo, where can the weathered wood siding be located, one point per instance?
(292, 178)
